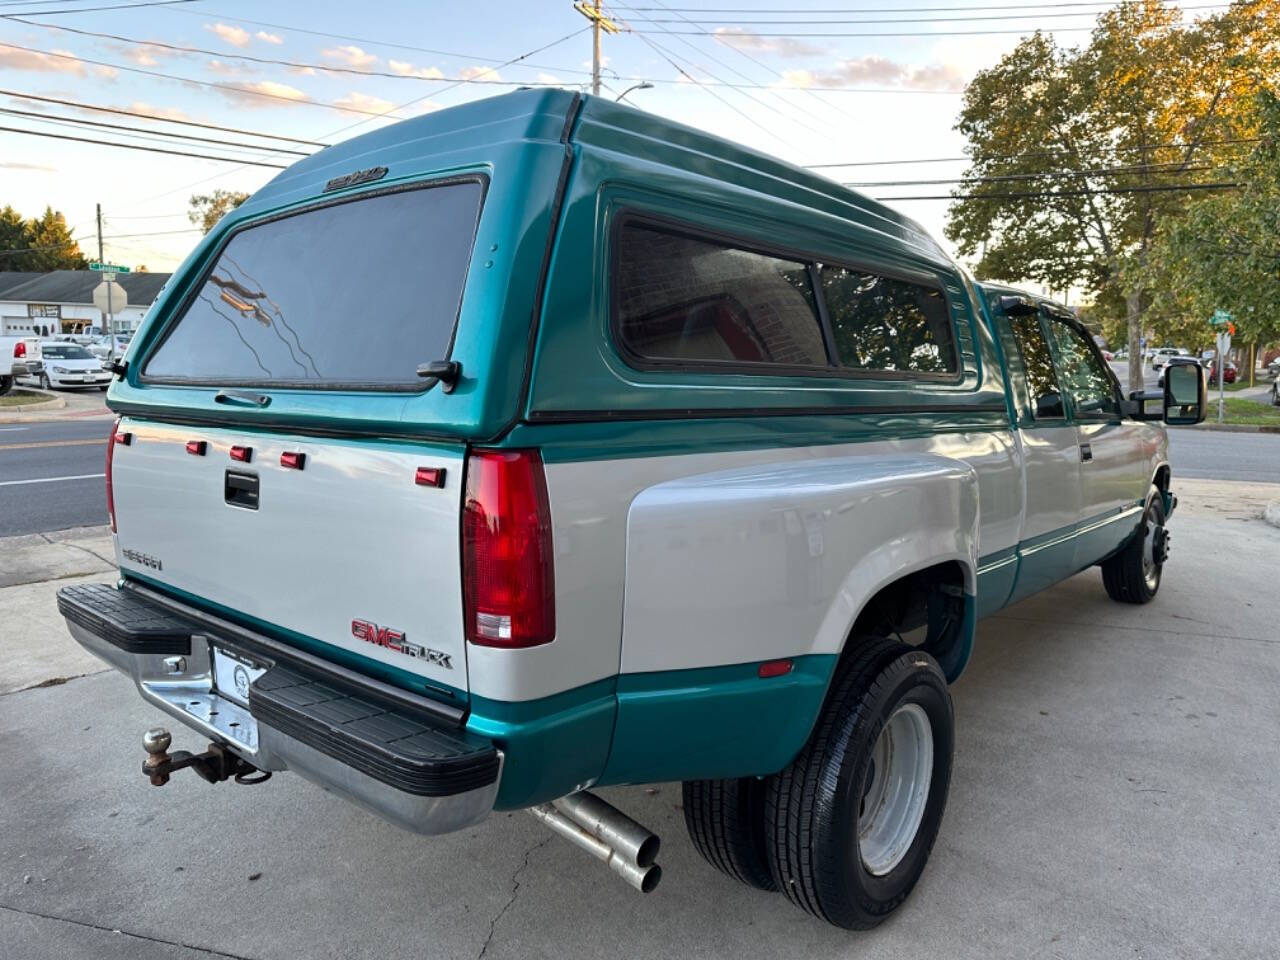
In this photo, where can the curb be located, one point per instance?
(57, 403)
(1271, 513)
(1235, 427)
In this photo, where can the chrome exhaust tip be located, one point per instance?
(608, 834)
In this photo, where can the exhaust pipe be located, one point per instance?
(607, 834)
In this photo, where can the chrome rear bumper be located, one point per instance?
(183, 686)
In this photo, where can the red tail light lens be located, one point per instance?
(19, 349)
(508, 578)
(111, 453)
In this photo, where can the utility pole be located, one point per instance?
(111, 315)
(599, 22)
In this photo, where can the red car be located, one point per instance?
(1230, 375)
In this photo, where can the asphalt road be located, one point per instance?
(51, 476)
(1113, 796)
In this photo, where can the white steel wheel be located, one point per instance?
(896, 790)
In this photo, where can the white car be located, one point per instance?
(70, 365)
(101, 346)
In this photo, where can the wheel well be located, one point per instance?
(1162, 478)
(929, 602)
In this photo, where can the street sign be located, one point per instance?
(107, 267)
(118, 298)
(108, 277)
(1220, 318)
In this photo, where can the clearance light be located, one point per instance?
(293, 460)
(774, 668)
(196, 447)
(242, 454)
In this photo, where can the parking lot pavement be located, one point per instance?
(1114, 795)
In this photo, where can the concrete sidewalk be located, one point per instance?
(66, 405)
(1114, 796)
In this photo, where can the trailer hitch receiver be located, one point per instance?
(214, 765)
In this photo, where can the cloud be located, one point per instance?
(479, 73)
(350, 56)
(143, 54)
(264, 93)
(303, 71)
(12, 165)
(232, 35)
(365, 102)
(272, 38)
(402, 68)
(105, 73)
(222, 68)
(167, 113)
(781, 46)
(550, 78)
(11, 59)
(881, 72)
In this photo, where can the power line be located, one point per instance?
(749, 96)
(1054, 194)
(369, 40)
(1171, 167)
(138, 146)
(114, 6)
(149, 132)
(728, 24)
(1031, 153)
(998, 6)
(230, 87)
(147, 116)
(154, 233)
(906, 33)
(268, 61)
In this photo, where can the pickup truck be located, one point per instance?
(614, 453)
(19, 357)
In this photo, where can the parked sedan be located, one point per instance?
(101, 347)
(70, 365)
(1229, 376)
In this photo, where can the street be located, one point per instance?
(51, 475)
(1115, 771)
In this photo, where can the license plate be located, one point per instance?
(232, 675)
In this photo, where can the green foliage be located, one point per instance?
(1224, 252)
(37, 245)
(207, 209)
(1069, 148)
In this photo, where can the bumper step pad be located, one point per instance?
(395, 744)
(125, 620)
(389, 744)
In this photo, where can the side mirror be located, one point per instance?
(1184, 393)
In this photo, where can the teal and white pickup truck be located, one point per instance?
(539, 444)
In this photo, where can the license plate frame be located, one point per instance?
(233, 673)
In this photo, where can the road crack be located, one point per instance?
(515, 892)
(125, 933)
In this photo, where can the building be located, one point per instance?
(61, 301)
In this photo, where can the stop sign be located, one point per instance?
(119, 299)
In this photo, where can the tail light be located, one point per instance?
(111, 453)
(19, 349)
(508, 579)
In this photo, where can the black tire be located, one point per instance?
(726, 823)
(812, 808)
(44, 382)
(1133, 575)
(103, 388)
(6, 384)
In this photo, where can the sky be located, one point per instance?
(805, 92)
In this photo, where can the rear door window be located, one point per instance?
(1037, 362)
(681, 299)
(353, 295)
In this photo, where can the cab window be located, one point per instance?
(1085, 375)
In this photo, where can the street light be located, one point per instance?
(646, 85)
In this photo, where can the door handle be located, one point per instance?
(1086, 453)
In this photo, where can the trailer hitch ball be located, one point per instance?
(156, 766)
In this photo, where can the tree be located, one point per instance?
(13, 239)
(50, 245)
(1078, 155)
(207, 209)
(1224, 253)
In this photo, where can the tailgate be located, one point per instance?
(349, 554)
